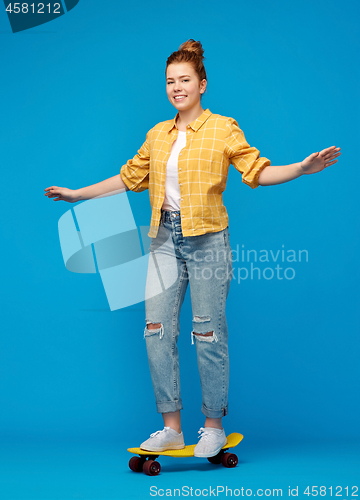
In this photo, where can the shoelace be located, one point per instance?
(204, 433)
(159, 432)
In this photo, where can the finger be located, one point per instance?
(332, 155)
(325, 151)
(328, 150)
(331, 158)
(331, 163)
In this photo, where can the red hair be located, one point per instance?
(191, 52)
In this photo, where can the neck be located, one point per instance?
(188, 116)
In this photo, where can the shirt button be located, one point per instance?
(179, 168)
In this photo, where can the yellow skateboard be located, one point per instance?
(146, 461)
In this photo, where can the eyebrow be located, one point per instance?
(182, 76)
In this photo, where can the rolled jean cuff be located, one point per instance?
(169, 406)
(214, 413)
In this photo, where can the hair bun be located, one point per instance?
(189, 52)
(192, 46)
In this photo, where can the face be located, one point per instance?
(183, 86)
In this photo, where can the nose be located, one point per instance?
(177, 86)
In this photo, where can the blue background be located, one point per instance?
(78, 95)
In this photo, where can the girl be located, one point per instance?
(184, 164)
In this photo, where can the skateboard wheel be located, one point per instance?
(136, 464)
(151, 468)
(216, 459)
(229, 460)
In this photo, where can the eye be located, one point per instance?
(185, 80)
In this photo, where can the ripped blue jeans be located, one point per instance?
(205, 262)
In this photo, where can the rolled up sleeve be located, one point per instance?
(245, 159)
(135, 173)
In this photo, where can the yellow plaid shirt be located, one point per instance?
(212, 143)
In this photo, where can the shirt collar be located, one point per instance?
(195, 125)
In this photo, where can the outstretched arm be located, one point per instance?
(112, 185)
(316, 162)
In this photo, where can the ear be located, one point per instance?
(203, 84)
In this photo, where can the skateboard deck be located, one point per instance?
(145, 462)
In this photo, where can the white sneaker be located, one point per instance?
(211, 442)
(167, 439)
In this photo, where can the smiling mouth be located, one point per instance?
(179, 97)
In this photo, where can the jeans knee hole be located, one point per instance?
(149, 332)
(201, 319)
(204, 337)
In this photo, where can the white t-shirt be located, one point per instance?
(172, 190)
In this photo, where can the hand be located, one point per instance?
(64, 194)
(318, 161)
